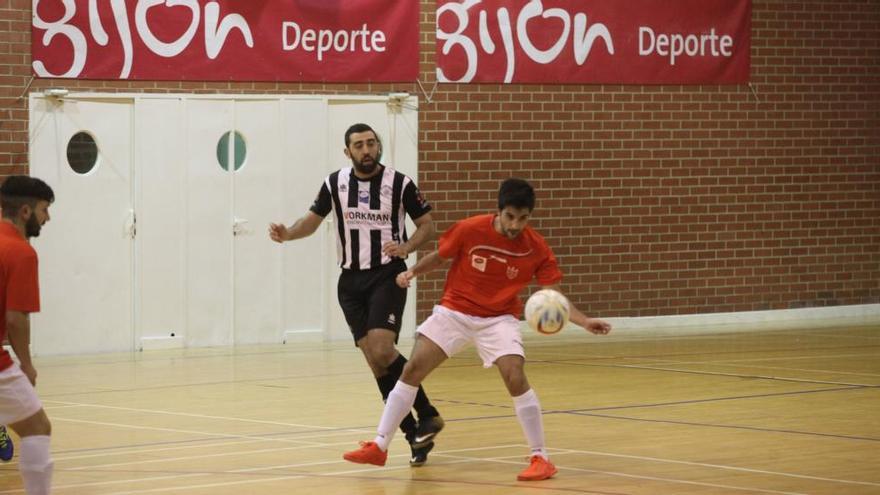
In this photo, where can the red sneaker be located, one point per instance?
(539, 469)
(369, 453)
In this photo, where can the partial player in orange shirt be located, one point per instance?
(493, 258)
(25, 202)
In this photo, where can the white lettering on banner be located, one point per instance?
(74, 35)
(325, 40)
(215, 36)
(676, 45)
(582, 38)
(155, 45)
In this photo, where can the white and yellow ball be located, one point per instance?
(547, 311)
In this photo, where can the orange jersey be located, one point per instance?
(19, 285)
(489, 270)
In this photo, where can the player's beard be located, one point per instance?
(32, 227)
(365, 168)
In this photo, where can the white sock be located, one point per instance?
(528, 411)
(35, 464)
(399, 403)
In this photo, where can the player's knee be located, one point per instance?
(413, 373)
(515, 380)
(38, 424)
(380, 357)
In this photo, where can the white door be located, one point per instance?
(257, 201)
(305, 280)
(209, 253)
(85, 250)
(160, 203)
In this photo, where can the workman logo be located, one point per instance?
(369, 216)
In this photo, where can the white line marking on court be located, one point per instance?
(192, 415)
(717, 466)
(145, 449)
(645, 477)
(175, 430)
(455, 459)
(739, 375)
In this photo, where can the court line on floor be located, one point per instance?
(714, 373)
(194, 415)
(172, 430)
(444, 454)
(716, 425)
(718, 466)
(750, 363)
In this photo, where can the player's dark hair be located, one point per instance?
(20, 190)
(359, 128)
(516, 193)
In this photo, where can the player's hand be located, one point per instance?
(405, 278)
(277, 232)
(597, 326)
(395, 250)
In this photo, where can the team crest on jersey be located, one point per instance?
(386, 190)
(478, 262)
(512, 272)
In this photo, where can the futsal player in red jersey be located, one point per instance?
(493, 258)
(25, 204)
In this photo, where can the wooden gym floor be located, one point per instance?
(769, 412)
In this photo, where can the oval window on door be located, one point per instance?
(240, 151)
(82, 153)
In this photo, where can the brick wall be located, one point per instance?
(657, 199)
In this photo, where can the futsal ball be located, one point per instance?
(547, 311)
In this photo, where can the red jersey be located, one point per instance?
(489, 270)
(19, 284)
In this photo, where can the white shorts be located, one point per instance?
(18, 399)
(493, 337)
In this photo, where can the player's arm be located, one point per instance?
(425, 264)
(304, 227)
(308, 223)
(593, 325)
(425, 231)
(18, 328)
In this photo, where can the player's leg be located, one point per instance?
(386, 305)
(35, 461)
(426, 356)
(528, 412)
(354, 293)
(18, 400)
(440, 336)
(500, 343)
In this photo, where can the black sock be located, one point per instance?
(386, 385)
(422, 405)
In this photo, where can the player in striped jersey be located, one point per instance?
(370, 202)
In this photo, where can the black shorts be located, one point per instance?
(372, 299)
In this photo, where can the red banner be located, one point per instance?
(227, 40)
(594, 41)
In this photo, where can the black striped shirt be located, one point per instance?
(369, 213)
